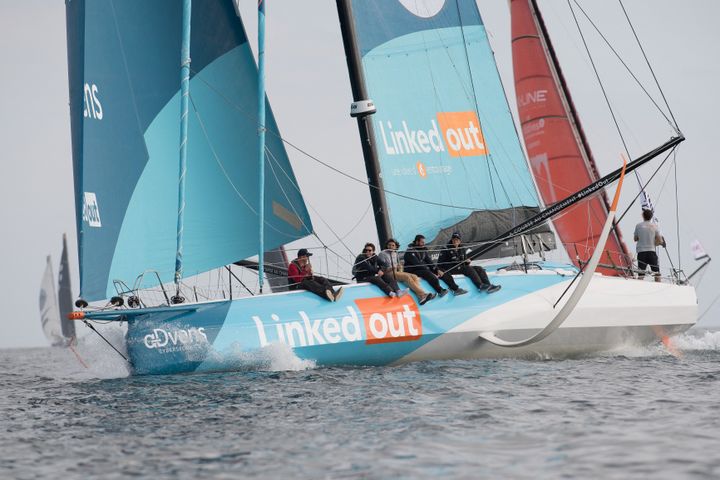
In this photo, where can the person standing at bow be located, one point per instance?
(301, 276)
(648, 238)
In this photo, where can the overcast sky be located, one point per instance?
(308, 87)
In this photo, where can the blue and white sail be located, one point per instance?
(124, 103)
(443, 128)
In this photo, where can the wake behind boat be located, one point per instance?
(146, 219)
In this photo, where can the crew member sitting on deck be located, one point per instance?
(367, 269)
(648, 238)
(418, 262)
(453, 259)
(300, 275)
(389, 262)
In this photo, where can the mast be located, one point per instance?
(359, 91)
(261, 136)
(185, 93)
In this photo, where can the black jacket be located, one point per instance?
(417, 258)
(452, 258)
(365, 267)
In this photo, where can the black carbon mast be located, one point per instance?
(359, 91)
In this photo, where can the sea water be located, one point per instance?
(640, 413)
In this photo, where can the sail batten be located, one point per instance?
(125, 98)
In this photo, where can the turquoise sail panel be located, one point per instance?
(443, 128)
(124, 61)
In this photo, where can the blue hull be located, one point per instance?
(363, 328)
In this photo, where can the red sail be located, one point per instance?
(558, 152)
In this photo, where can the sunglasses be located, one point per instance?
(368, 250)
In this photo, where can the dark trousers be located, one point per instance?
(386, 286)
(432, 279)
(647, 258)
(317, 285)
(477, 275)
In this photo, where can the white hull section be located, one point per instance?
(614, 312)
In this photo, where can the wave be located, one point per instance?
(701, 340)
(274, 357)
(94, 358)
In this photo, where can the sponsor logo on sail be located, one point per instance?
(422, 170)
(532, 98)
(384, 320)
(457, 133)
(173, 340)
(91, 211)
(92, 108)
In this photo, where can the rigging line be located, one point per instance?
(597, 74)
(349, 262)
(490, 157)
(662, 187)
(617, 55)
(315, 159)
(272, 156)
(225, 173)
(91, 327)
(472, 190)
(627, 209)
(387, 192)
(367, 210)
(282, 189)
(717, 297)
(475, 99)
(650, 67)
(677, 212)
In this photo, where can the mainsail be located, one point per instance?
(443, 130)
(558, 151)
(124, 61)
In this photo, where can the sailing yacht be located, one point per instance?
(56, 305)
(442, 155)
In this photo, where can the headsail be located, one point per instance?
(124, 104)
(443, 129)
(49, 312)
(559, 155)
